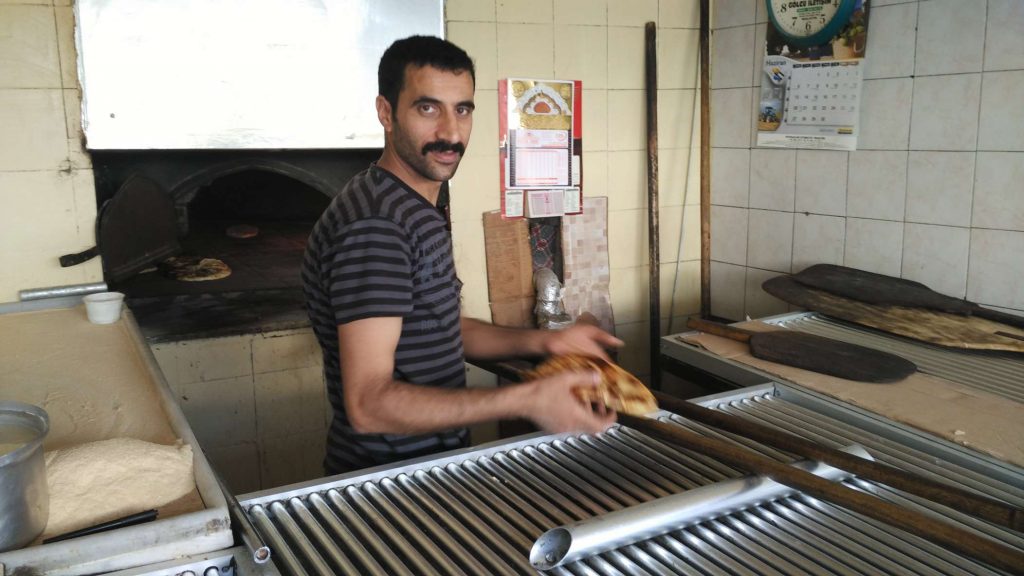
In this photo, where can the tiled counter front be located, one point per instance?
(256, 402)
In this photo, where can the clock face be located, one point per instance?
(809, 22)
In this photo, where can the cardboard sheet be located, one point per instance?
(509, 271)
(987, 423)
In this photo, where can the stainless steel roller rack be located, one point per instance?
(479, 510)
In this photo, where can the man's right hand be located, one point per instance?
(555, 407)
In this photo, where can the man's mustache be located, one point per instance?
(444, 146)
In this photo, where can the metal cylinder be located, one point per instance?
(24, 497)
(60, 291)
(578, 540)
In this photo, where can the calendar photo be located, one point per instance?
(812, 74)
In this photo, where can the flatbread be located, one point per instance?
(617, 389)
(195, 268)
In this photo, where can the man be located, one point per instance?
(383, 296)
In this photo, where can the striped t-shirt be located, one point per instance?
(382, 250)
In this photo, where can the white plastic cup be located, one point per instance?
(103, 307)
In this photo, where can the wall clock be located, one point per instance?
(810, 22)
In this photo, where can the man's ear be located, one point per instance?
(384, 113)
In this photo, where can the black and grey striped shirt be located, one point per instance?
(379, 250)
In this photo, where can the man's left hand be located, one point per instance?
(582, 339)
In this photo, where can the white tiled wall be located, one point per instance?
(601, 43)
(935, 191)
(46, 183)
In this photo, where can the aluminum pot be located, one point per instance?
(24, 498)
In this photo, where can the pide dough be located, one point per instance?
(105, 480)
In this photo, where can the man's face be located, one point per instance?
(430, 127)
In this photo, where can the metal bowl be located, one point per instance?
(24, 498)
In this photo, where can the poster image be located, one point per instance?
(810, 91)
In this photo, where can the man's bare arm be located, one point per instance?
(377, 403)
(483, 341)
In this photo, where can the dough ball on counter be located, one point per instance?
(105, 480)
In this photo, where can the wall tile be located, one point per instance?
(770, 240)
(936, 256)
(1004, 35)
(238, 465)
(762, 13)
(475, 188)
(627, 180)
(676, 114)
(34, 136)
(590, 12)
(625, 57)
(469, 10)
(759, 303)
(215, 359)
(468, 246)
(671, 225)
(772, 179)
(285, 351)
(732, 62)
(289, 402)
(525, 11)
(877, 186)
(630, 293)
(996, 275)
(220, 412)
(477, 39)
(874, 245)
(66, 46)
(595, 174)
(821, 181)
(893, 35)
(1001, 126)
(627, 122)
(999, 191)
(945, 112)
(627, 238)
(28, 41)
(940, 187)
(760, 51)
(526, 50)
(595, 120)
(728, 290)
(730, 176)
(632, 12)
(39, 211)
(677, 58)
(678, 15)
(950, 37)
(729, 234)
(673, 168)
(885, 114)
(292, 458)
(484, 140)
(581, 53)
(817, 240)
(731, 117)
(727, 13)
(686, 297)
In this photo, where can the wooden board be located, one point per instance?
(885, 290)
(932, 326)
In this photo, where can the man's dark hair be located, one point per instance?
(419, 51)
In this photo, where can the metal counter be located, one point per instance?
(478, 511)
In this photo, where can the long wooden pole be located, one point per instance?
(705, 158)
(942, 533)
(651, 87)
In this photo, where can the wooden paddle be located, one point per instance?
(933, 326)
(887, 290)
(815, 353)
